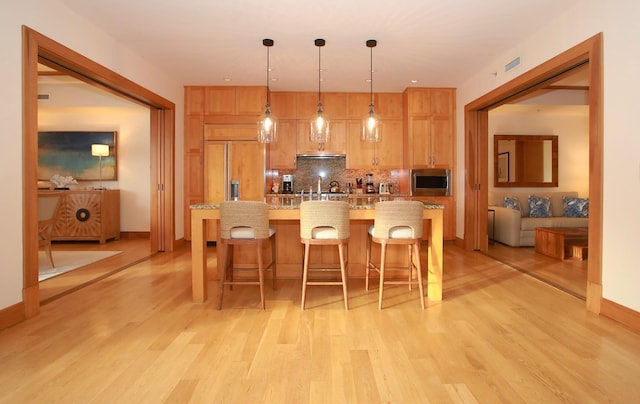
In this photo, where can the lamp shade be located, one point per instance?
(101, 150)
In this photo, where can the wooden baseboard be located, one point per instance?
(624, 315)
(12, 315)
(179, 243)
(135, 234)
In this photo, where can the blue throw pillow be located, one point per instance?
(575, 207)
(511, 202)
(539, 206)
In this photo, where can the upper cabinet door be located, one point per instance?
(429, 120)
(282, 153)
(234, 100)
(219, 100)
(360, 154)
(250, 100)
(386, 154)
(389, 151)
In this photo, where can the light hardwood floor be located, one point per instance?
(133, 251)
(568, 275)
(499, 336)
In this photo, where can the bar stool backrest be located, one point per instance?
(391, 215)
(333, 214)
(252, 215)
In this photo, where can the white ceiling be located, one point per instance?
(440, 43)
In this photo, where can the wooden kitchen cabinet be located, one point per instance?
(386, 154)
(358, 105)
(337, 137)
(388, 105)
(283, 105)
(360, 154)
(88, 215)
(418, 130)
(282, 153)
(430, 142)
(225, 161)
(449, 214)
(390, 148)
(222, 100)
(429, 127)
(216, 113)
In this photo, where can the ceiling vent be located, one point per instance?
(514, 63)
(43, 96)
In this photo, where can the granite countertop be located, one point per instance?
(294, 203)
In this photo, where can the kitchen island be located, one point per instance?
(361, 214)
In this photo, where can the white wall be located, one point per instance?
(62, 25)
(572, 129)
(618, 21)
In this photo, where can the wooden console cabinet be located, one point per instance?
(88, 215)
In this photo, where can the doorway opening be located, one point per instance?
(40, 49)
(476, 183)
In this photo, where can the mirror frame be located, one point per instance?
(554, 161)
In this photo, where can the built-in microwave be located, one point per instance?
(431, 182)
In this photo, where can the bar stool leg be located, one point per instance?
(341, 251)
(261, 272)
(383, 258)
(223, 274)
(410, 249)
(305, 272)
(416, 247)
(367, 267)
(273, 262)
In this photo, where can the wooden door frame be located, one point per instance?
(477, 160)
(38, 48)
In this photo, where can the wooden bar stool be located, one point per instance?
(396, 222)
(324, 223)
(245, 223)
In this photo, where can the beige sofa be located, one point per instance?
(516, 229)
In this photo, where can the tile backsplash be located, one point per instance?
(330, 169)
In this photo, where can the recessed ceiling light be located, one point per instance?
(414, 81)
(227, 79)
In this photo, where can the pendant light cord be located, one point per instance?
(319, 68)
(371, 77)
(319, 43)
(268, 70)
(268, 43)
(371, 43)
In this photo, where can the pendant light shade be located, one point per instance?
(319, 123)
(267, 124)
(371, 123)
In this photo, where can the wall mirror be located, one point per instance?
(525, 161)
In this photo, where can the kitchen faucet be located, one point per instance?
(319, 187)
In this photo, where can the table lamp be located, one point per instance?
(100, 150)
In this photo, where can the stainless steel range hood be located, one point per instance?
(320, 155)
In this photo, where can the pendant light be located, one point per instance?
(371, 122)
(319, 124)
(267, 125)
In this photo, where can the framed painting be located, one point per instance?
(504, 174)
(69, 153)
